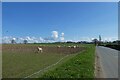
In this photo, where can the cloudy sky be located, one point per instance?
(49, 22)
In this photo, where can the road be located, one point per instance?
(108, 62)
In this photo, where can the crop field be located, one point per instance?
(22, 60)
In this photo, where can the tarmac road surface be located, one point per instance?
(108, 61)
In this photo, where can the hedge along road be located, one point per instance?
(108, 61)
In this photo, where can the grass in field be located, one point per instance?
(55, 66)
(17, 65)
(80, 66)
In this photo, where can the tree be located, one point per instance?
(95, 41)
(25, 41)
(99, 38)
(13, 41)
(99, 42)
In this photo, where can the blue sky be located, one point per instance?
(75, 20)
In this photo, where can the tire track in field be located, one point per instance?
(44, 68)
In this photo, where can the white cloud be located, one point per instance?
(85, 39)
(103, 38)
(41, 40)
(13, 38)
(32, 39)
(68, 40)
(54, 35)
(28, 38)
(109, 38)
(21, 39)
(6, 39)
(62, 34)
(62, 37)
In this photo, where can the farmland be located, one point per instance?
(22, 60)
(80, 66)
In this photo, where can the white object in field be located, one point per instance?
(58, 46)
(74, 46)
(40, 49)
(69, 46)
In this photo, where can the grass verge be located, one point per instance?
(80, 66)
(65, 58)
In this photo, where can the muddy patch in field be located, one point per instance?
(46, 49)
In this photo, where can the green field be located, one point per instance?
(20, 63)
(80, 66)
